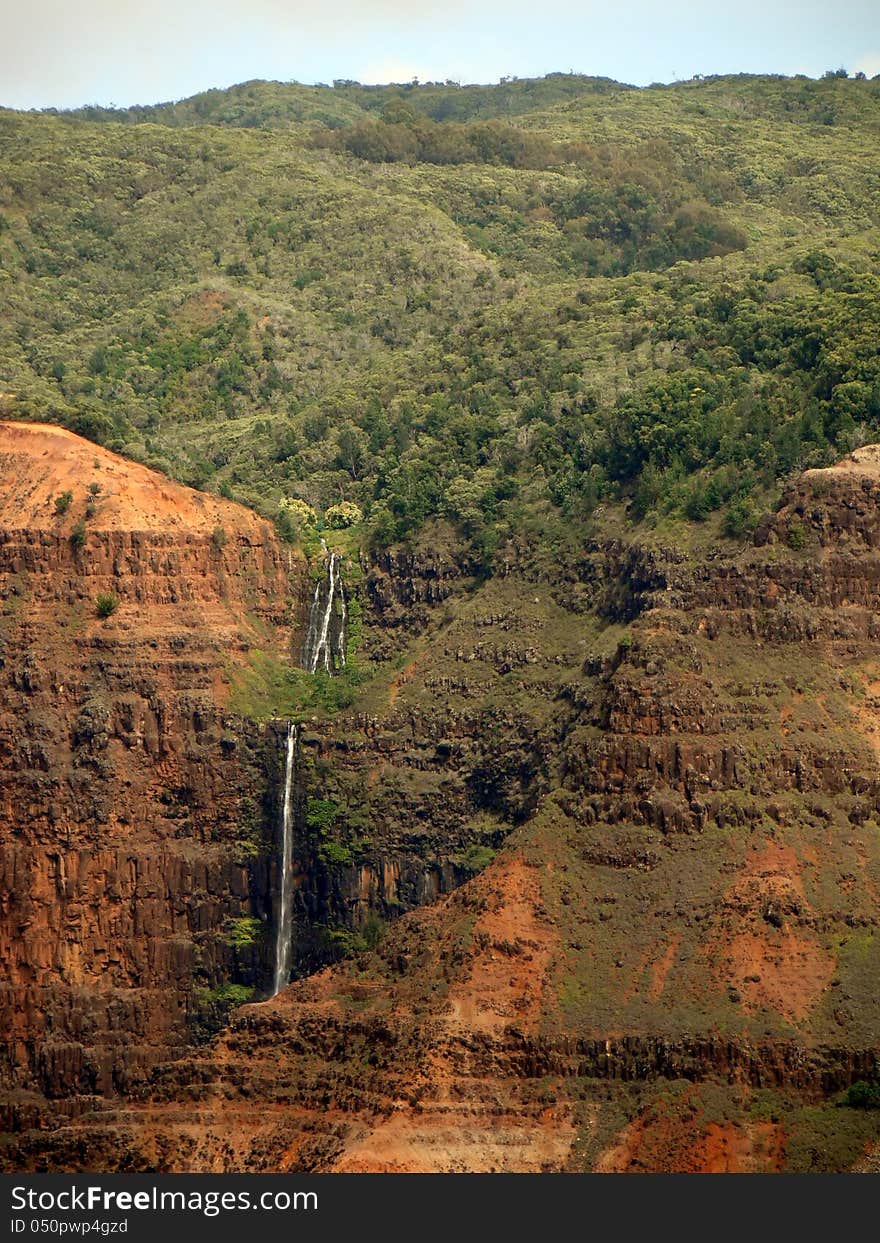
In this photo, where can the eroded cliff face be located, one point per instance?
(671, 961)
(123, 857)
(140, 847)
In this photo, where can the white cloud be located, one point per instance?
(869, 64)
(392, 70)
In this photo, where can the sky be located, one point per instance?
(63, 53)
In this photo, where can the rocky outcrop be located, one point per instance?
(404, 586)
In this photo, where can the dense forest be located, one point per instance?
(527, 308)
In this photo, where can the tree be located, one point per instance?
(352, 450)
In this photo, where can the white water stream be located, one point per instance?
(325, 645)
(283, 946)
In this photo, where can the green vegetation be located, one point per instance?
(225, 996)
(106, 603)
(63, 502)
(476, 858)
(346, 514)
(248, 839)
(266, 687)
(243, 932)
(490, 305)
(334, 831)
(345, 943)
(335, 855)
(321, 814)
(863, 1096)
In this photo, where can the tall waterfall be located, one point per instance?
(324, 647)
(284, 935)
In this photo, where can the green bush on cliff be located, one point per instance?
(321, 814)
(863, 1096)
(342, 942)
(334, 854)
(476, 858)
(225, 996)
(373, 931)
(796, 536)
(346, 943)
(243, 932)
(106, 603)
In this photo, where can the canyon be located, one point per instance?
(584, 876)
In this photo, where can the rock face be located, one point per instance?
(669, 963)
(139, 851)
(122, 857)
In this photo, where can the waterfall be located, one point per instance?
(325, 640)
(285, 913)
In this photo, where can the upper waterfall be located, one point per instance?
(325, 640)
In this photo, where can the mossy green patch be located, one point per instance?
(267, 687)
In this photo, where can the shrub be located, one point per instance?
(373, 931)
(63, 502)
(333, 854)
(106, 603)
(863, 1096)
(225, 995)
(476, 857)
(300, 511)
(797, 536)
(218, 538)
(320, 814)
(342, 943)
(345, 514)
(700, 502)
(739, 520)
(94, 488)
(78, 535)
(285, 527)
(243, 932)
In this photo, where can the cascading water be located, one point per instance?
(325, 640)
(283, 946)
(325, 648)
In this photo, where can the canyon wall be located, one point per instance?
(636, 798)
(124, 859)
(140, 812)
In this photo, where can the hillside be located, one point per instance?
(48, 468)
(283, 105)
(662, 297)
(565, 396)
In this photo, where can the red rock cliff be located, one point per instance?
(121, 784)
